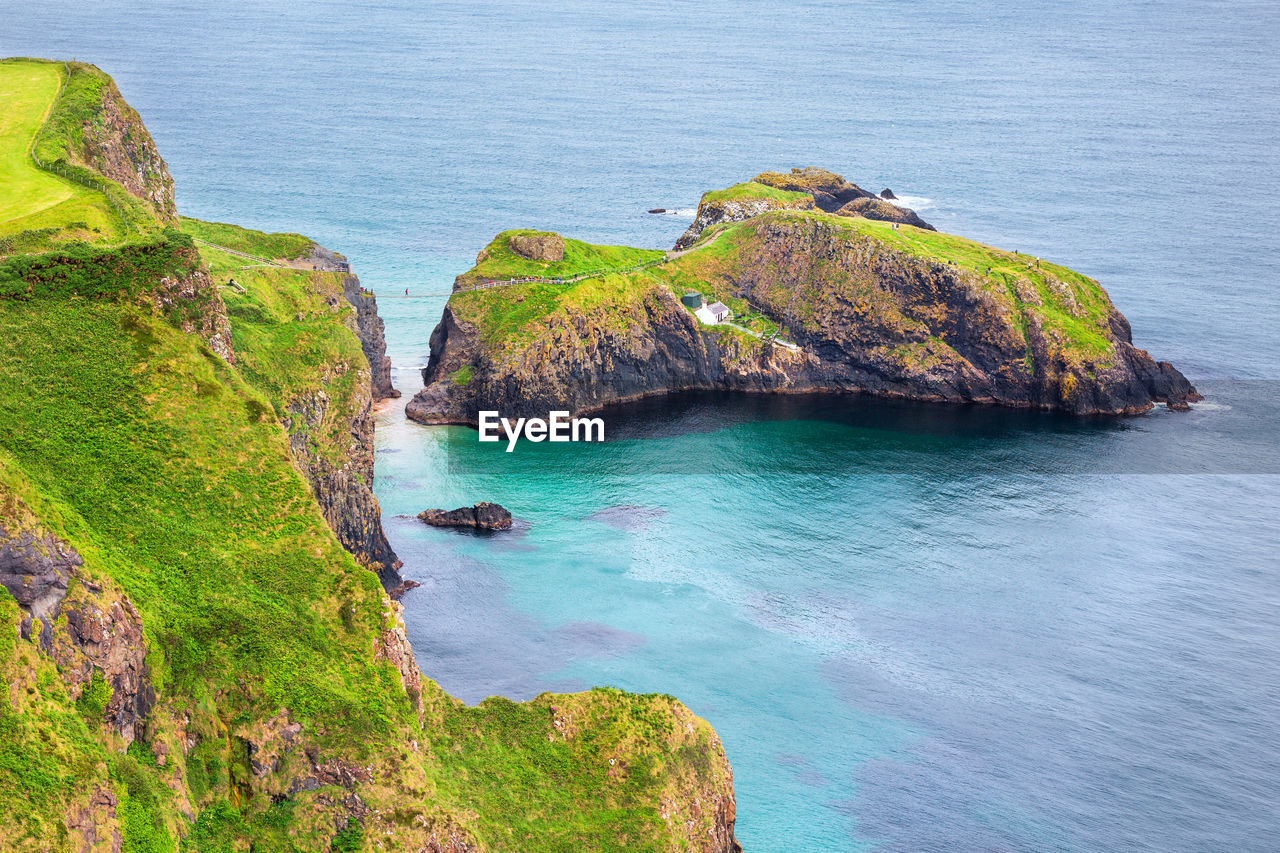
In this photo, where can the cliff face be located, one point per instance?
(370, 328)
(343, 481)
(193, 300)
(868, 309)
(117, 144)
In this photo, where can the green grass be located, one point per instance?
(1085, 332)
(289, 342)
(190, 503)
(79, 269)
(282, 246)
(498, 262)
(33, 199)
(752, 190)
(1068, 303)
(168, 472)
(539, 786)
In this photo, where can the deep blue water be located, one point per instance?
(916, 628)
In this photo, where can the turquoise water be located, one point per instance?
(916, 628)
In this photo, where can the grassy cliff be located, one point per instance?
(193, 661)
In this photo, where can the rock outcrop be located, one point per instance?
(874, 208)
(87, 628)
(198, 308)
(115, 143)
(713, 211)
(482, 516)
(867, 317)
(828, 192)
(35, 568)
(538, 247)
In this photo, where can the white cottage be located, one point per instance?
(714, 314)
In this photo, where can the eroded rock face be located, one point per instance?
(737, 210)
(117, 144)
(35, 567)
(201, 310)
(393, 647)
(482, 516)
(108, 637)
(370, 329)
(92, 822)
(344, 491)
(538, 247)
(876, 320)
(874, 208)
(82, 625)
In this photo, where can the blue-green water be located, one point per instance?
(916, 628)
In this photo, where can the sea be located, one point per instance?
(915, 627)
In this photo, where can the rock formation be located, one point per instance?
(482, 516)
(117, 144)
(539, 247)
(828, 192)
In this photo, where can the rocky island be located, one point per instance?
(832, 289)
(482, 516)
(199, 649)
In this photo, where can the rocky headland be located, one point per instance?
(197, 654)
(832, 293)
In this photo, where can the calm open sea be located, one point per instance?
(916, 628)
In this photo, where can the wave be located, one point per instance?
(915, 202)
(680, 212)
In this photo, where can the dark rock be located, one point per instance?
(35, 567)
(109, 638)
(887, 193)
(370, 329)
(400, 589)
(482, 516)
(659, 210)
(344, 491)
(875, 208)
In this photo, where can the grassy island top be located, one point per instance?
(1065, 300)
(753, 190)
(497, 261)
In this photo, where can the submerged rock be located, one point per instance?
(482, 516)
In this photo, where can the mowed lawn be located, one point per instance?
(29, 197)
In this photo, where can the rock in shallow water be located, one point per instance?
(482, 516)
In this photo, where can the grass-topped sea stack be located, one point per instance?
(196, 648)
(832, 289)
